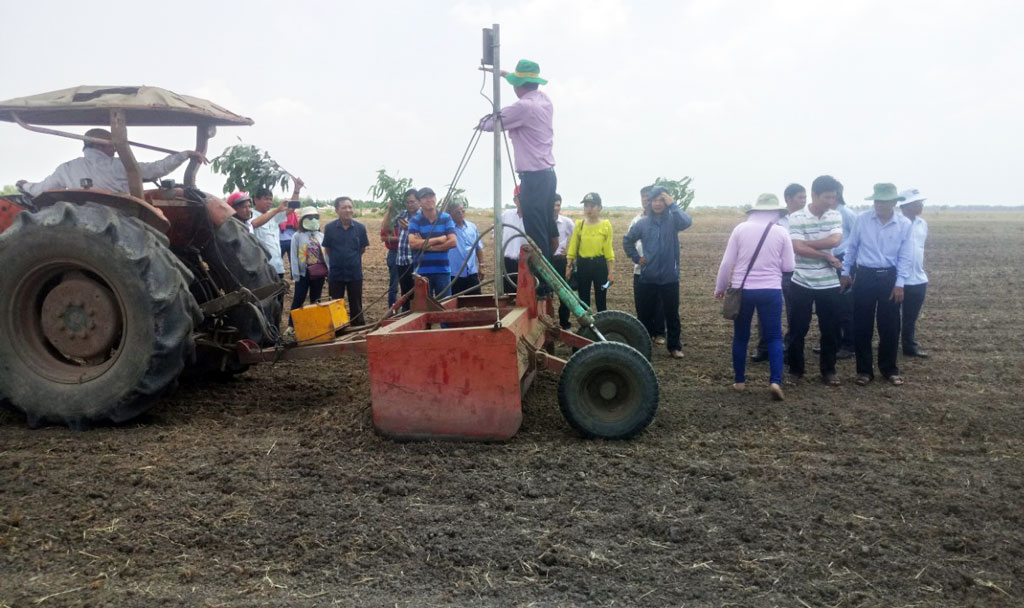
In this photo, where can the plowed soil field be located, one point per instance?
(273, 489)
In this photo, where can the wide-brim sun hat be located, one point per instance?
(526, 71)
(768, 202)
(885, 192)
(912, 196)
(307, 211)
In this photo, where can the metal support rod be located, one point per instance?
(119, 137)
(91, 140)
(499, 257)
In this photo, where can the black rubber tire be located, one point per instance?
(249, 265)
(150, 287)
(618, 326)
(625, 410)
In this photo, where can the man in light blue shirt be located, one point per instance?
(467, 244)
(917, 283)
(881, 249)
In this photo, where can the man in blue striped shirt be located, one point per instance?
(881, 248)
(431, 235)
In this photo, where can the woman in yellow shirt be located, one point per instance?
(590, 248)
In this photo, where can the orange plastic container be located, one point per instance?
(318, 322)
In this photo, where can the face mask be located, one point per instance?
(311, 223)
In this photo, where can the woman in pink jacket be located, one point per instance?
(761, 282)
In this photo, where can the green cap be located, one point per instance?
(885, 192)
(526, 71)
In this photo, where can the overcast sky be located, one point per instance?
(743, 96)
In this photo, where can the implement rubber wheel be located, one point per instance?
(608, 390)
(249, 265)
(618, 326)
(95, 314)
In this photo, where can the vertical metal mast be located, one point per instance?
(499, 238)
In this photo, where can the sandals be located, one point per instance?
(896, 380)
(863, 380)
(831, 380)
(776, 391)
(739, 387)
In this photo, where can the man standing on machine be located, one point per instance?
(528, 122)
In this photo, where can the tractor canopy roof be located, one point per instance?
(144, 107)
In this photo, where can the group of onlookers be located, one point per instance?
(820, 258)
(796, 259)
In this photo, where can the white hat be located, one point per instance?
(767, 202)
(308, 211)
(912, 196)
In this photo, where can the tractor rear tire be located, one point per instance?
(249, 265)
(95, 314)
(619, 326)
(608, 390)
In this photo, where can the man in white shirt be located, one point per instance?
(512, 218)
(565, 228)
(265, 226)
(106, 172)
(917, 283)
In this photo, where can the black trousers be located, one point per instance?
(511, 275)
(871, 301)
(354, 289)
(305, 286)
(913, 300)
(826, 303)
(537, 200)
(659, 314)
(762, 346)
(405, 281)
(593, 271)
(560, 265)
(667, 297)
(471, 283)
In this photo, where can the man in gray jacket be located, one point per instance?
(659, 266)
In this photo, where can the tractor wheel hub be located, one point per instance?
(79, 318)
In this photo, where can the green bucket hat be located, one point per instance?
(885, 193)
(526, 71)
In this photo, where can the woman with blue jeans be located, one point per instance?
(760, 276)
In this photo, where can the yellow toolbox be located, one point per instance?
(318, 322)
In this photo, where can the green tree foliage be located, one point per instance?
(389, 192)
(679, 189)
(248, 168)
(9, 190)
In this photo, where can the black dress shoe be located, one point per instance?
(914, 352)
(759, 357)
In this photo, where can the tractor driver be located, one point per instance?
(106, 172)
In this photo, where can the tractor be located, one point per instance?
(107, 298)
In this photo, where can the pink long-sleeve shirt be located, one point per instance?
(776, 254)
(528, 122)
